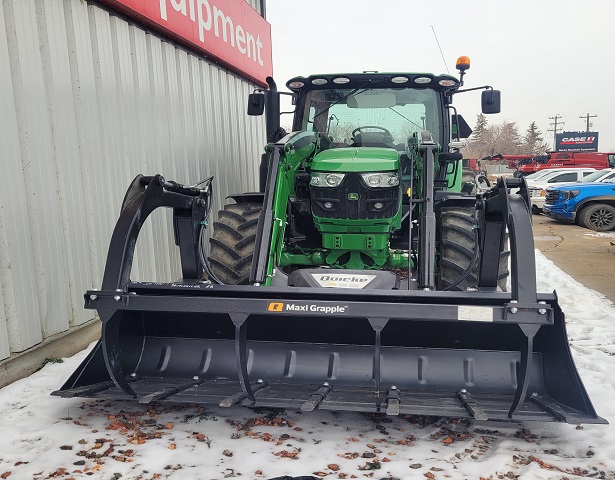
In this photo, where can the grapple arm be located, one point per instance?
(144, 195)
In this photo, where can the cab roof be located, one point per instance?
(446, 83)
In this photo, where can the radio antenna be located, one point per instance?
(445, 65)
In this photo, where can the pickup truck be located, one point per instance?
(537, 188)
(591, 205)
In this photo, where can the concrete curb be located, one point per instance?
(64, 344)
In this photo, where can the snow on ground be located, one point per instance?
(43, 437)
(601, 234)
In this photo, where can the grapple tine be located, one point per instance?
(84, 391)
(241, 354)
(470, 403)
(111, 353)
(316, 398)
(525, 366)
(167, 392)
(393, 398)
(239, 396)
(377, 324)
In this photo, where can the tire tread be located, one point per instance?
(232, 242)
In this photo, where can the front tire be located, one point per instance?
(457, 243)
(599, 217)
(232, 243)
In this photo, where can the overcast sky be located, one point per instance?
(548, 57)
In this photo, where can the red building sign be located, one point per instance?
(230, 31)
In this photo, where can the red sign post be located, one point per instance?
(230, 31)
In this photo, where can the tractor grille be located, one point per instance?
(552, 197)
(344, 205)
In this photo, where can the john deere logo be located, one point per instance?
(353, 196)
(275, 307)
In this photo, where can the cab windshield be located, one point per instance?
(384, 117)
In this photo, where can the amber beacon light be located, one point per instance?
(463, 64)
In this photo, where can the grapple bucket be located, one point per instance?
(486, 355)
(457, 355)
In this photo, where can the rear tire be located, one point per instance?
(599, 217)
(232, 243)
(457, 250)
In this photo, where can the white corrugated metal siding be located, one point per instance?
(88, 101)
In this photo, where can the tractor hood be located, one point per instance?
(356, 159)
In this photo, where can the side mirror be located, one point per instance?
(256, 104)
(490, 101)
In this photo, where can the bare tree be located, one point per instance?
(506, 139)
(489, 140)
(481, 139)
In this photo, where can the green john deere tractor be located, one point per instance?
(364, 275)
(347, 188)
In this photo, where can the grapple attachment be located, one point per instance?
(486, 355)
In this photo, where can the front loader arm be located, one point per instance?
(285, 158)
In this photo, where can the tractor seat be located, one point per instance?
(372, 139)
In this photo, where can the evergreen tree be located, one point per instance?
(478, 135)
(479, 141)
(533, 142)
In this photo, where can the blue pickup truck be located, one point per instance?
(591, 205)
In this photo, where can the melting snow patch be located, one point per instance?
(601, 234)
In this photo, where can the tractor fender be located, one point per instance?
(249, 197)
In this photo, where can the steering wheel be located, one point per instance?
(376, 127)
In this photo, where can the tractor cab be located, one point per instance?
(373, 109)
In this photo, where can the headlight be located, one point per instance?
(381, 179)
(568, 194)
(543, 193)
(319, 179)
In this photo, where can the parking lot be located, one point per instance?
(587, 256)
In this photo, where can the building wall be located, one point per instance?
(88, 101)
